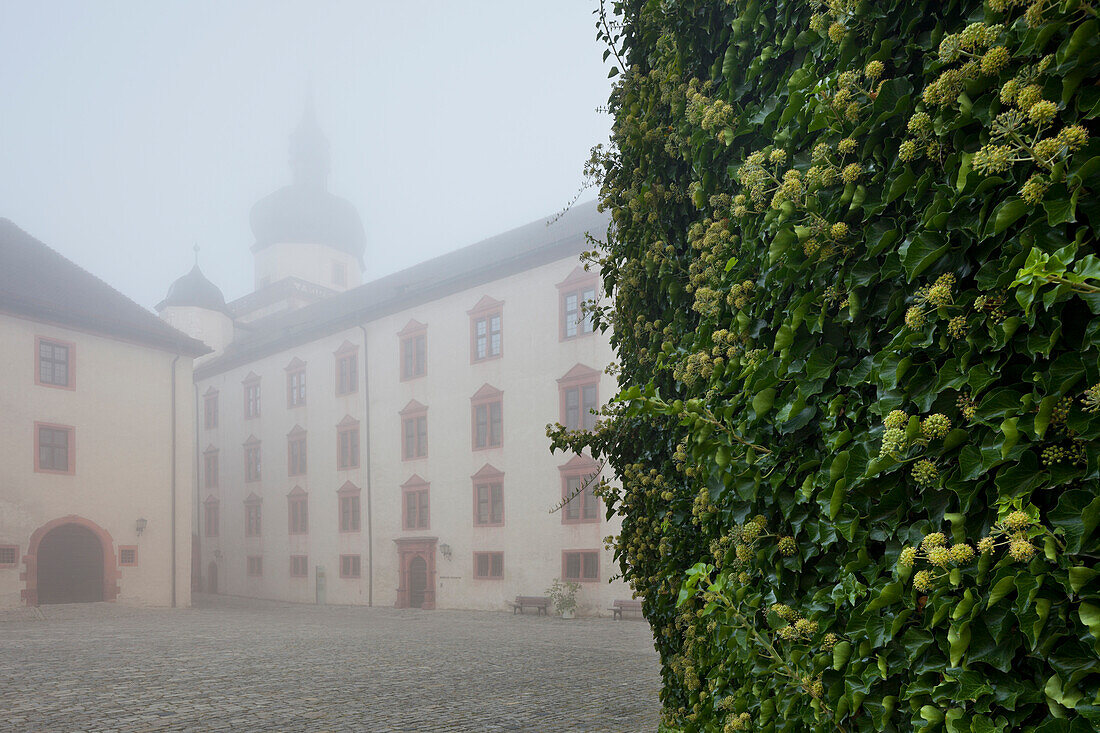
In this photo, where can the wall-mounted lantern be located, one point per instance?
(139, 525)
(445, 549)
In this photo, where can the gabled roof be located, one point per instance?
(506, 254)
(37, 282)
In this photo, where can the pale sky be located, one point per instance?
(131, 131)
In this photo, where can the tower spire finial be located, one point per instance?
(196, 248)
(309, 150)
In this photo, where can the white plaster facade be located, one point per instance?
(532, 539)
(130, 445)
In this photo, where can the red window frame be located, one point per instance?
(253, 460)
(487, 482)
(253, 516)
(414, 431)
(295, 383)
(486, 330)
(69, 364)
(210, 409)
(413, 351)
(578, 288)
(578, 395)
(251, 385)
(11, 551)
(296, 452)
(347, 444)
(347, 369)
(582, 561)
(585, 507)
(211, 517)
(299, 566)
(127, 556)
(488, 565)
(210, 467)
(416, 501)
(52, 446)
(350, 511)
(255, 567)
(351, 566)
(487, 418)
(297, 514)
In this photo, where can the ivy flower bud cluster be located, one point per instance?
(1091, 399)
(935, 426)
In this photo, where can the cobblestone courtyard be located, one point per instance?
(237, 665)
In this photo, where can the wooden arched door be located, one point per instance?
(70, 566)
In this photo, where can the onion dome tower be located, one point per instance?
(196, 306)
(303, 231)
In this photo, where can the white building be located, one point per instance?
(96, 438)
(385, 443)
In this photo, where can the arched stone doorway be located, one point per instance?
(416, 582)
(70, 560)
(212, 577)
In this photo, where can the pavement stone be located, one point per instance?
(233, 664)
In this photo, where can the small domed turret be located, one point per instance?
(194, 290)
(196, 306)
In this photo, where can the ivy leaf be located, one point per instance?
(921, 252)
(1007, 213)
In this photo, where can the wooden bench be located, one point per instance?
(542, 604)
(618, 607)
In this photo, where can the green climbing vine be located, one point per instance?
(853, 283)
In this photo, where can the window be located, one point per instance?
(54, 448)
(487, 406)
(414, 350)
(415, 494)
(255, 565)
(578, 394)
(578, 404)
(296, 452)
(347, 369)
(298, 511)
(296, 383)
(252, 459)
(251, 396)
(489, 565)
(339, 274)
(349, 566)
(210, 409)
(210, 467)
(55, 363)
(488, 497)
(127, 556)
(349, 507)
(299, 566)
(9, 556)
(580, 566)
(414, 431)
(253, 526)
(574, 292)
(347, 444)
(210, 517)
(485, 329)
(579, 478)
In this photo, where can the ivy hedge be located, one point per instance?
(853, 284)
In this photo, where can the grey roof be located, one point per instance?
(37, 282)
(514, 251)
(194, 290)
(307, 214)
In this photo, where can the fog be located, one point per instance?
(132, 131)
(314, 490)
